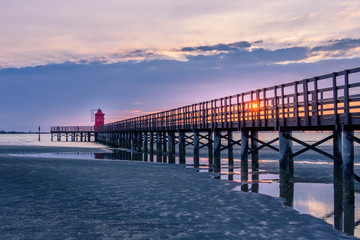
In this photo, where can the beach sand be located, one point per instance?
(53, 198)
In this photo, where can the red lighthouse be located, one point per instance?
(99, 119)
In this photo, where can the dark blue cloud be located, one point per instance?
(255, 56)
(219, 47)
(342, 44)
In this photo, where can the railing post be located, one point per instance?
(346, 99)
(306, 101)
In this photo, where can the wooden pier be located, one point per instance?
(329, 102)
(73, 133)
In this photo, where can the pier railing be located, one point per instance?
(327, 100)
(71, 129)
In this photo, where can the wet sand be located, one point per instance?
(51, 198)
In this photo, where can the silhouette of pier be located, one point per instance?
(329, 102)
(73, 133)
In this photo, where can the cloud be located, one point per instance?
(341, 44)
(57, 94)
(219, 47)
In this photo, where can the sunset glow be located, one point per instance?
(72, 57)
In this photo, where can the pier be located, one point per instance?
(73, 133)
(329, 102)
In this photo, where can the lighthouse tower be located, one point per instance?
(99, 119)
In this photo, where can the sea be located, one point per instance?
(312, 192)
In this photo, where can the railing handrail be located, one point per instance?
(72, 129)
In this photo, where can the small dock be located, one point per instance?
(73, 133)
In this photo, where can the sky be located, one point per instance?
(60, 59)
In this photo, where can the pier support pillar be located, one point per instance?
(134, 141)
(230, 150)
(286, 167)
(66, 137)
(171, 147)
(164, 146)
(182, 148)
(348, 181)
(159, 146)
(126, 139)
(210, 150)
(151, 142)
(59, 137)
(254, 162)
(286, 162)
(128, 142)
(196, 149)
(145, 143)
(338, 181)
(255, 152)
(217, 151)
(122, 139)
(139, 141)
(244, 159)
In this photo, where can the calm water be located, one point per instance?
(306, 196)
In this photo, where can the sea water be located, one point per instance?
(312, 193)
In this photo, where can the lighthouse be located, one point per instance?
(99, 119)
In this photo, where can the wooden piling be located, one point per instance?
(171, 147)
(159, 147)
(151, 142)
(210, 150)
(145, 143)
(196, 149)
(286, 162)
(182, 148)
(348, 181)
(217, 151)
(244, 156)
(338, 181)
(254, 152)
(230, 149)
